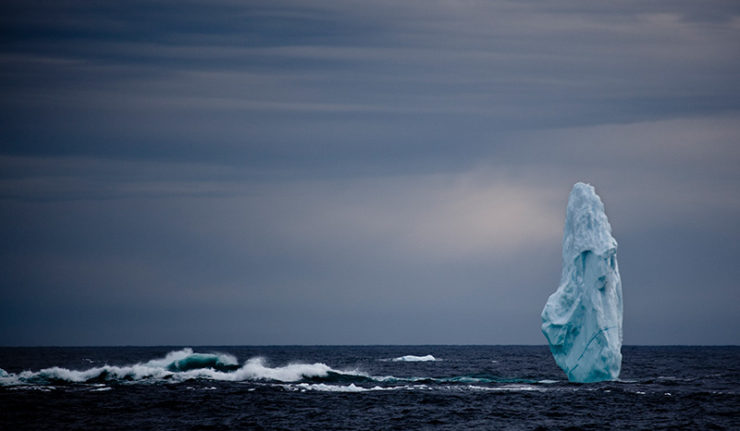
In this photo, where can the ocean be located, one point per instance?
(361, 388)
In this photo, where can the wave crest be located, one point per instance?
(186, 360)
(183, 365)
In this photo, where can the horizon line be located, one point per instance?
(336, 345)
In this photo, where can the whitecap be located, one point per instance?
(328, 388)
(412, 358)
(103, 389)
(508, 388)
(322, 387)
(179, 366)
(255, 369)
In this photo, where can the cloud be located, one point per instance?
(405, 163)
(264, 82)
(452, 216)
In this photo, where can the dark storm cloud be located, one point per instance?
(341, 172)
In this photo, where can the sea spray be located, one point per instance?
(182, 365)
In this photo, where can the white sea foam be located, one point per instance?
(103, 389)
(412, 358)
(323, 387)
(178, 366)
(507, 388)
(184, 364)
(330, 388)
(40, 388)
(255, 369)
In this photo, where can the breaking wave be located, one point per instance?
(179, 366)
(183, 365)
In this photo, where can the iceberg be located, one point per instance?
(582, 320)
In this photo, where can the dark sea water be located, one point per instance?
(361, 387)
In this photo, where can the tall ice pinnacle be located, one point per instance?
(582, 320)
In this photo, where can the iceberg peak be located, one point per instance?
(586, 225)
(582, 320)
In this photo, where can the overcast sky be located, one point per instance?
(382, 172)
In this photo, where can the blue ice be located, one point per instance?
(582, 320)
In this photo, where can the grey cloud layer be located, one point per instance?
(283, 81)
(379, 172)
